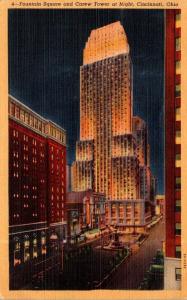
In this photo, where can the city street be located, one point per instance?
(131, 272)
(88, 270)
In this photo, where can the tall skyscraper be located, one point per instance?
(106, 156)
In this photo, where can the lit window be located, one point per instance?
(178, 21)
(178, 161)
(43, 244)
(178, 114)
(35, 253)
(178, 67)
(17, 253)
(26, 249)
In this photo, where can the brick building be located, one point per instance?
(37, 192)
(173, 150)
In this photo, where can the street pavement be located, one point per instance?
(130, 273)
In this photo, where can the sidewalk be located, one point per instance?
(89, 241)
(155, 221)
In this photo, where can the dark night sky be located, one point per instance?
(45, 52)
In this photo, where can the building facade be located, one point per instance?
(85, 211)
(37, 193)
(160, 205)
(173, 151)
(111, 150)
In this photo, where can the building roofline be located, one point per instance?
(35, 113)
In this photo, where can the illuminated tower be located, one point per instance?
(106, 155)
(105, 107)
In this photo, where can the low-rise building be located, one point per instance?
(160, 205)
(85, 211)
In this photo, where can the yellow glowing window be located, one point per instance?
(35, 253)
(26, 250)
(178, 114)
(43, 244)
(178, 137)
(178, 44)
(178, 161)
(178, 20)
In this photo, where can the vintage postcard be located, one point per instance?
(93, 143)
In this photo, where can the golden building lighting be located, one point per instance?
(109, 155)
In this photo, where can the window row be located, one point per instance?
(31, 249)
